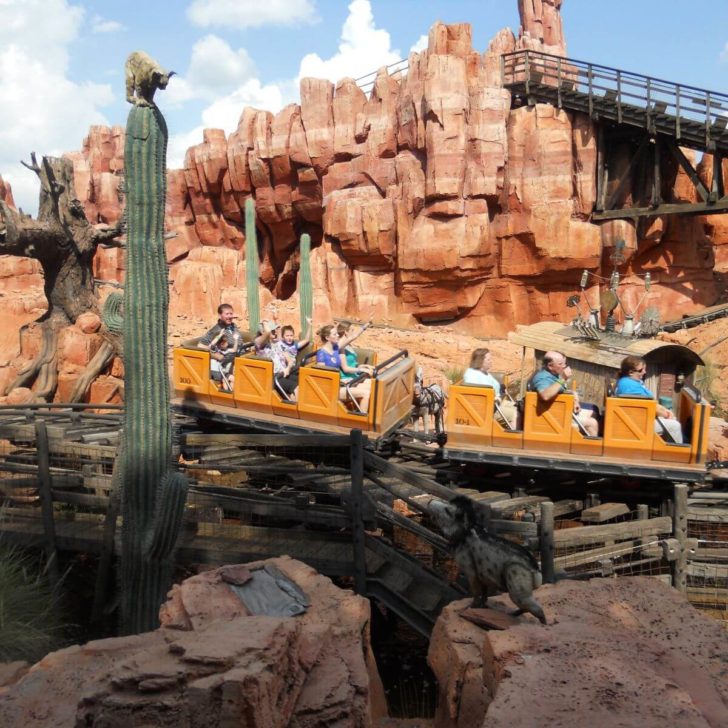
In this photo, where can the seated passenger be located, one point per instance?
(550, 381)
(329, 354)
(631, 373)
(288, 343)
(479, 373)
(222, 356)
(285, 372)
(226, 325)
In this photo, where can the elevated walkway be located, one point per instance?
(695, 117)
(663, 116)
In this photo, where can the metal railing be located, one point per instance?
(633, 98)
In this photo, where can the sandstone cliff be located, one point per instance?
(428, 200)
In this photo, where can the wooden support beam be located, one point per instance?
(626, 178)
(263, 440)
(546, 542)
(717, 190)
(602, 171)
(46, 500)
(691, 172)
(656, 197)
(677, 208)
(680, 533)
(357, 508)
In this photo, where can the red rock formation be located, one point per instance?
(628, 651)
(429, 199)
(212, 663)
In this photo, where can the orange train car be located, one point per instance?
(254, 400)
(550, 438)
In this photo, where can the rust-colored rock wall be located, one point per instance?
(429, 199)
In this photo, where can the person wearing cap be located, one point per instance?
(224, 326)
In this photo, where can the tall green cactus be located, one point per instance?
(305, 287)
(153, 494)
(252, 265)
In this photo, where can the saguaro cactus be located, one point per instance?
(153, 494)
(252, 266)
(305, 287)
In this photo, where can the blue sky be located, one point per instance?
(62, 61)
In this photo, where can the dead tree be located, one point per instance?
(63, 241)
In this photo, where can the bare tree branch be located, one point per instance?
(33, 167)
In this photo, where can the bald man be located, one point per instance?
(550, 381)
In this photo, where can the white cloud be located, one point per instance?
(243, 14)
(178, 144)
(420, 45)
(99, 25)
(215, 69)
(225, 113)
(42, 110)
(362, 48)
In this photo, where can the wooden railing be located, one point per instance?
(624, 91)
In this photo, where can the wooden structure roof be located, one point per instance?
(607, 352)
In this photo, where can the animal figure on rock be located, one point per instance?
(428, 402)
(143, 77)
(486, 560)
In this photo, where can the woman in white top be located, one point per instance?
(479, 373)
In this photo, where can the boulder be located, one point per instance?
(212, 663)
(630, 651)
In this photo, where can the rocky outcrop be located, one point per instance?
(629, 651)
(212, 663)
(427, 199)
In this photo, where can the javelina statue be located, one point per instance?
(487, 560)
(143, 77)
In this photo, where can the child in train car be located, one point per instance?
(288, 344)
(478, 372)
(631, 373)
(330, 355)
(222, 355)
(285, 372)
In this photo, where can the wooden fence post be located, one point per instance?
(546, 542)
(680, 533)
(46, 499)
(357, 516)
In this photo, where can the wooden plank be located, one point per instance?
(705, 570)
(506, 508)
(615, 532)
(425, 484)
(604, 512)
(265, 440)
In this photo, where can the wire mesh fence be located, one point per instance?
(630, 545)
(707, 568)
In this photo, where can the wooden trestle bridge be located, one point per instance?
(328, 501)
(638, 118)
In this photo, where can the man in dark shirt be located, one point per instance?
(225, 326)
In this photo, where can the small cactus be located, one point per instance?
(252, 266)
(305, 287)
(111, 313)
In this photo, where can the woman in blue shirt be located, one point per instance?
(632, 372)
(329, 354)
